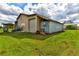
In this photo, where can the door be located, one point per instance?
(32, 25)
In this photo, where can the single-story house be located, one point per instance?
(36, 23)
(7, 26)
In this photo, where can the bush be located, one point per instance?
(71, 26)
(0, 27)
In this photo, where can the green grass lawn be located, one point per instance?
(28, 44)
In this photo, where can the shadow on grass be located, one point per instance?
(25, 35)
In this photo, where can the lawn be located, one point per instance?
(28, 44)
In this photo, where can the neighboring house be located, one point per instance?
(36, 23)
(7, 26)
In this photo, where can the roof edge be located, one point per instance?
(39, 16)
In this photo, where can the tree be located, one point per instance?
(71, 26)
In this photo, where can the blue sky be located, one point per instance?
(10, 11)
(21, 5)
(57, 11)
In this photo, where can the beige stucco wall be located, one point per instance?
(23, 22)
(34, 22)
(38, 23)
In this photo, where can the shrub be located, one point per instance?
(71, 26)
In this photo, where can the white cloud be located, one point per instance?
(58, 11)
(43, 11)
(52, 10)
(30, 9)
(9, 13)
(39, 1)
(74, 15)
(76, 21)
(10, 10)
(16, 9)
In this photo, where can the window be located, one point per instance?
(44, 26)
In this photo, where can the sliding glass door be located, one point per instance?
(45, 26)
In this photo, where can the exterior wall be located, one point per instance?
(32, 25)
(23, 22)
(45, 26)
(38, 23)
(55, 27)
(32, 22)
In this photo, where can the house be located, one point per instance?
(37, 23)
(7, 27)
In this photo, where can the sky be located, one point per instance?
(57, 11)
